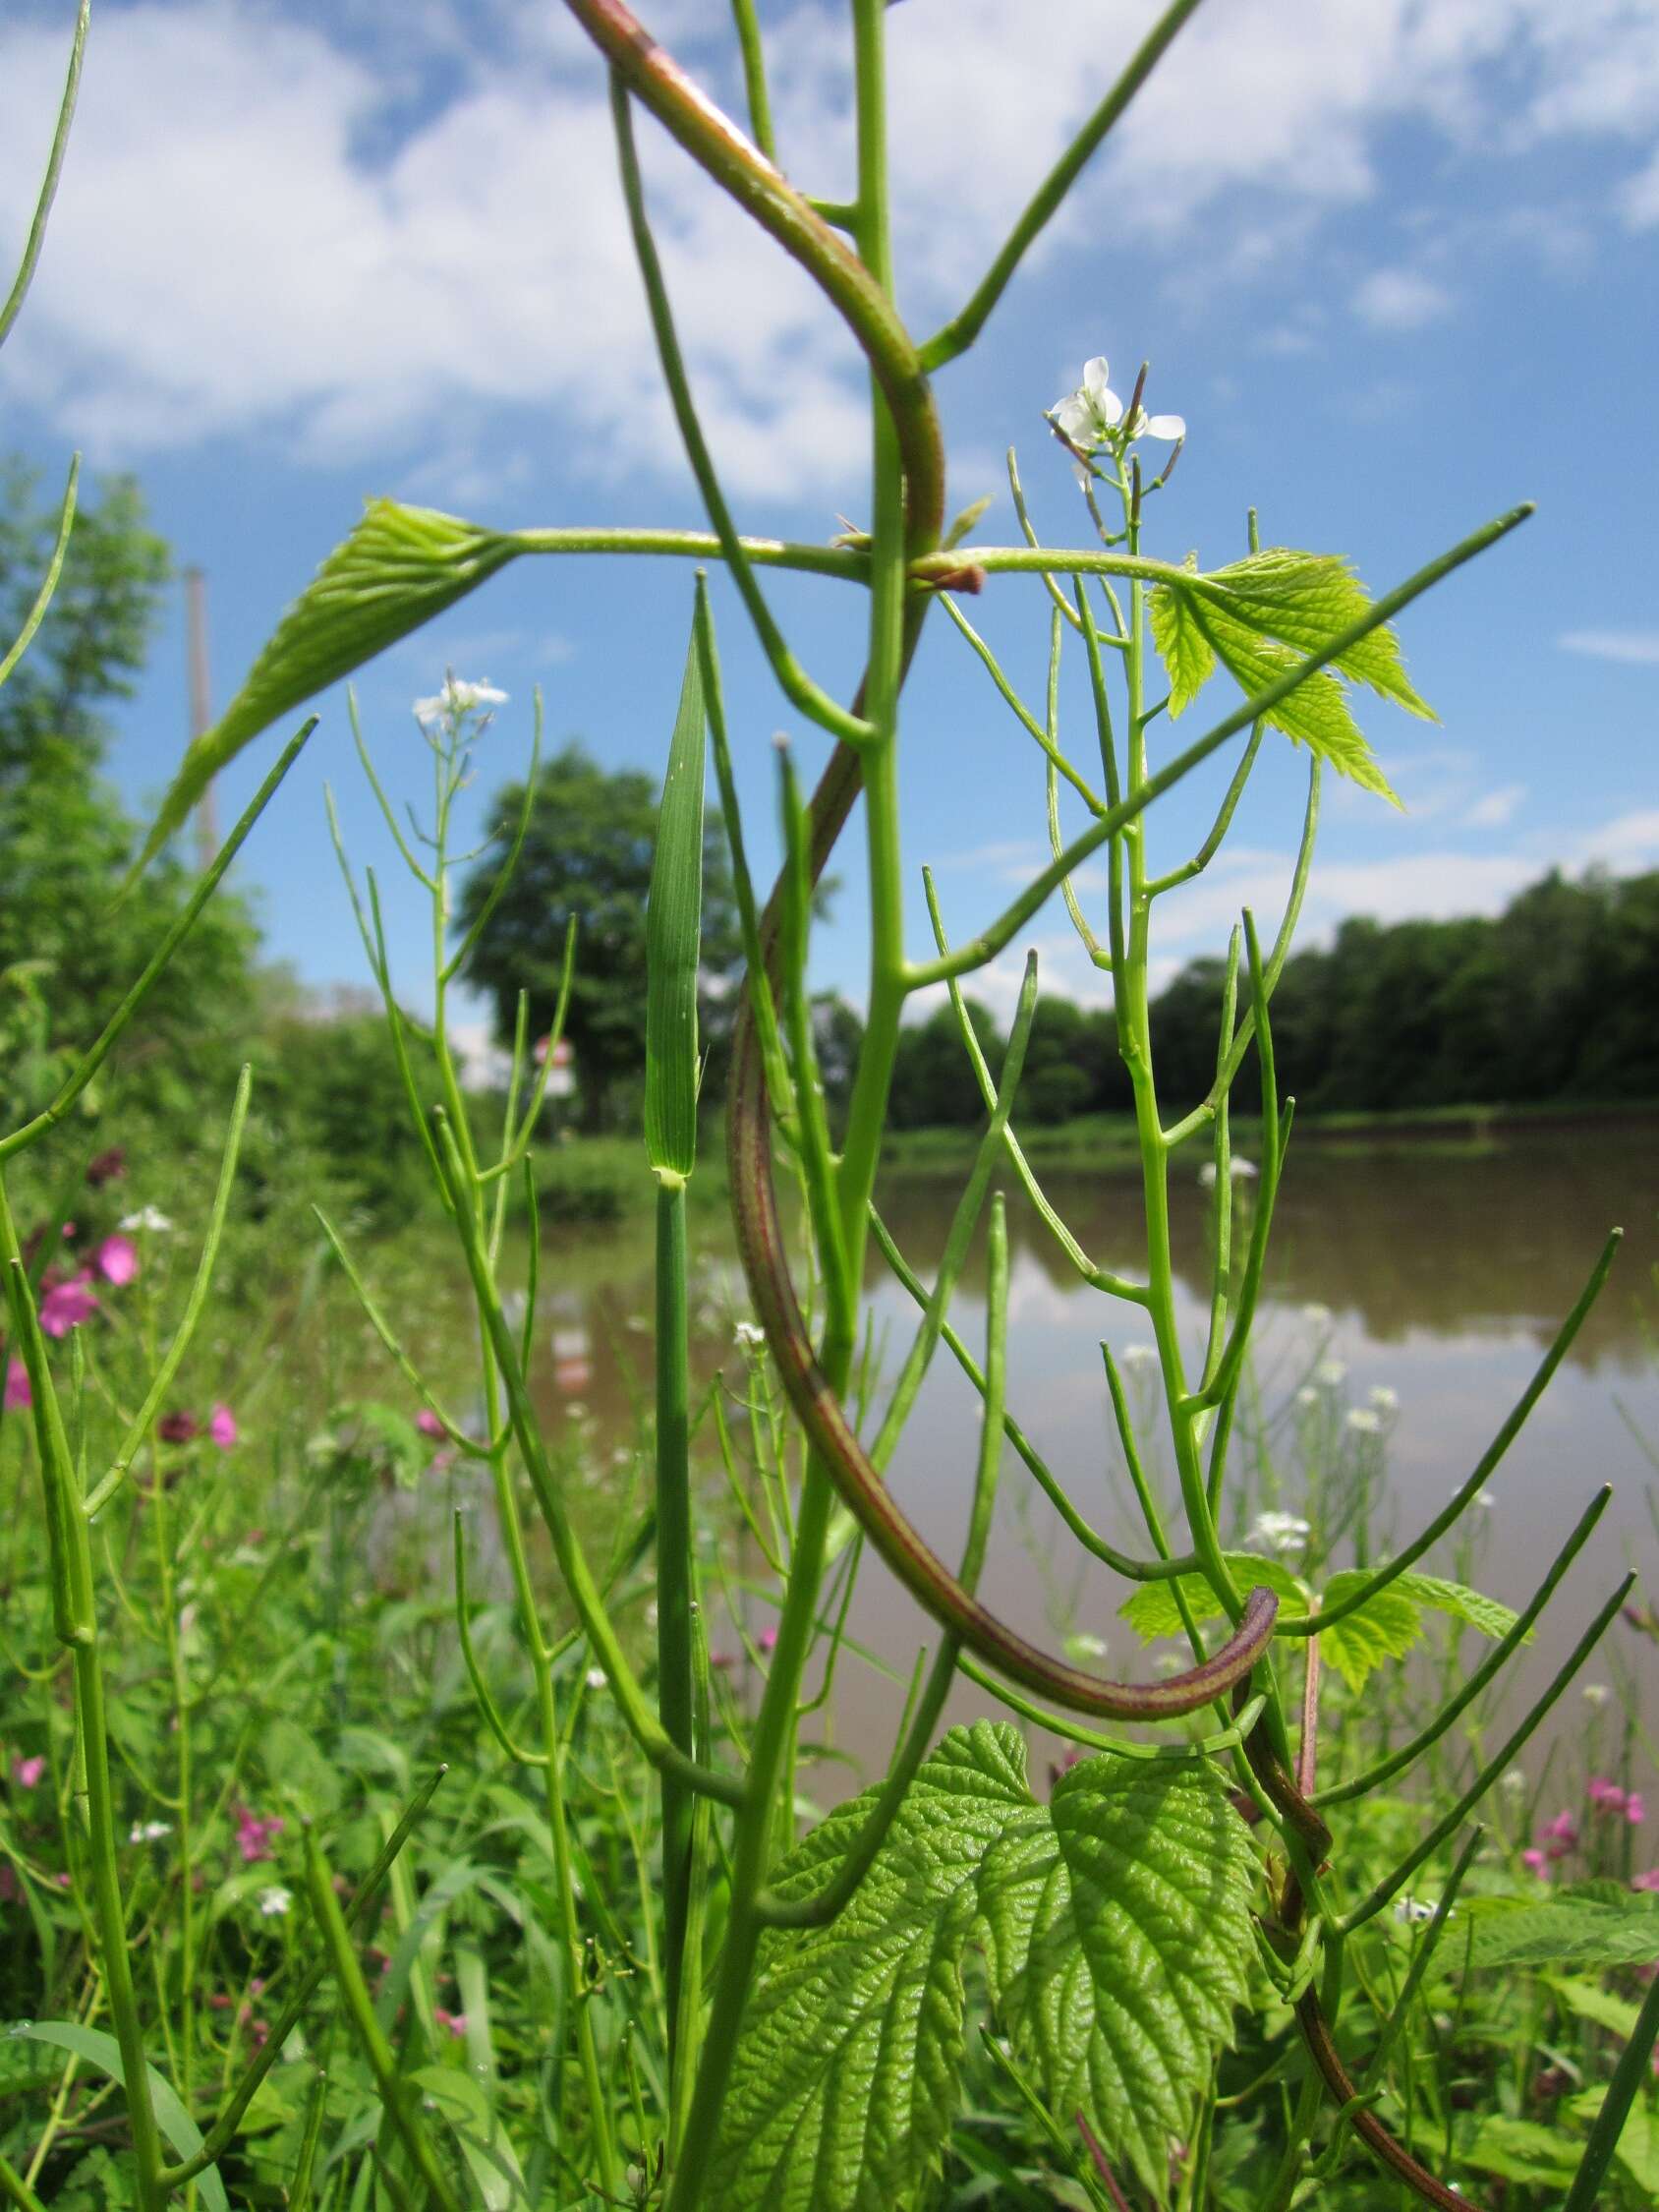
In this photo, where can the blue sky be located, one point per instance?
(1393, 260)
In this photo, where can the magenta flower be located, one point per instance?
(1537, 1863)
(222, 1428)
(1647, 1881)
(1606, 1797)
(767, 1640)
(455, 2022)
(67, 1305)
(253, 1833)
(1560, 1835)
(18, 1392)
(26, 1772)
(117, 1261)
(427, 1422)
(1636, 1811)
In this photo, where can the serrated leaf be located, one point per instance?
(1118, 1933)
(1590, 2002)
(1522, 2150)
(1183, 647)
(1152, 1611)
(1637, 2147)
(674, 939)
(399, 567)
(104, 2052)
(1114, 1923)
(1489, 1616)
(1304, 600)
(1564, 1932)
(1385, 1628)
(1316, 713)
(844, 2082)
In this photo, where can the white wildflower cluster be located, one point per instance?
(1364, 1420)
(448, 709)
(150, 1832)
(750, 1336)
(1284, 1533)
(1238, 1168)
(275, 1901)
(148, 1218)
(1093, 419)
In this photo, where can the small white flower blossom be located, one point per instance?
(1595, 1693)
(455, 700)
(149, 1217)
(1331, 1374)
(1168, 1663)
(1364, 1420)
(1316, 1317)
(275, 1901)
(1307, 1396)
(1138, 1356)
(150, 1832)
(1513, 1784)
(1240, 1169)
(596, 1677)
(750, 1336)
(1383, 1398)
(1284, 1533)
(1092, 416)
(1413, 1909)
(1486, 1500)
(1083, 1646)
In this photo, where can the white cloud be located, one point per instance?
(363, 230)
(1494, 808)
(1399, 299)
(1638, 648)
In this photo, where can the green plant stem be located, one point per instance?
(50, 184)
(1629, 2078)
(755, 75)
(17, 2191)
(49, 582)
(674, 1684)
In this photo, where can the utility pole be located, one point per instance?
(201, 712)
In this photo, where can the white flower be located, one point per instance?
(1241, 1171)
(150, 1832)
(1092, 416)
(1139, 1356)
(1281, 1532)
(1331, 1374)
(147, 1217)
(1364, 1421)
(1383, 1398)
(1307, 1395)
(1083, 1646)
(275, 1901)
(1486, 1500)
(749, 1336)
(1595, 1693)
(456, 700)
(596, 1677)
(1513, 1784)
(1316, 1317)
(1413, 1909)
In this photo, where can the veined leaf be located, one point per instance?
(1115, 1927)
(1489, 1616)
(1563, 1932)
(845, 2078)
(104, 2052)
(399, 567)
(1151, 1611)
(1120, 1934)
(1259, 618)
(1385, 1628)
(674, 940)
(1637, 2147)
(1522, 2150)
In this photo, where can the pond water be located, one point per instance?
(1437, 1275)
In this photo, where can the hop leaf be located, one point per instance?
(399, 567)
(1152, 1611)
(1115, 1933)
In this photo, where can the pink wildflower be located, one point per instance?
(18, 1392)
(1560, 1835)
(222, 1428)
(1606, 1797)
(1647, 1881)
(1635, 1809)
(767, 1640)
(26, 1772)
(455, 2022)
(117, 1261)
(67, 1305)
(427, 1422)
(1536, 1863)
(254, 1833)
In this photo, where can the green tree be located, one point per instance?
(587, 853)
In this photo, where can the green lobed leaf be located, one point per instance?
(1152, 1611)
(1522, 2150)
(1181, 645)
(1305, 598)
(1385, 1629)
(844, 2082)
(399, 567)
(1637, 2147)
(1566, 1931)
(102, 2051)
(1489, 1616)
(1115, 1933)
(674, 940)
(1119, 1925)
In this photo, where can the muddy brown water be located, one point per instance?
(1434, 1274)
